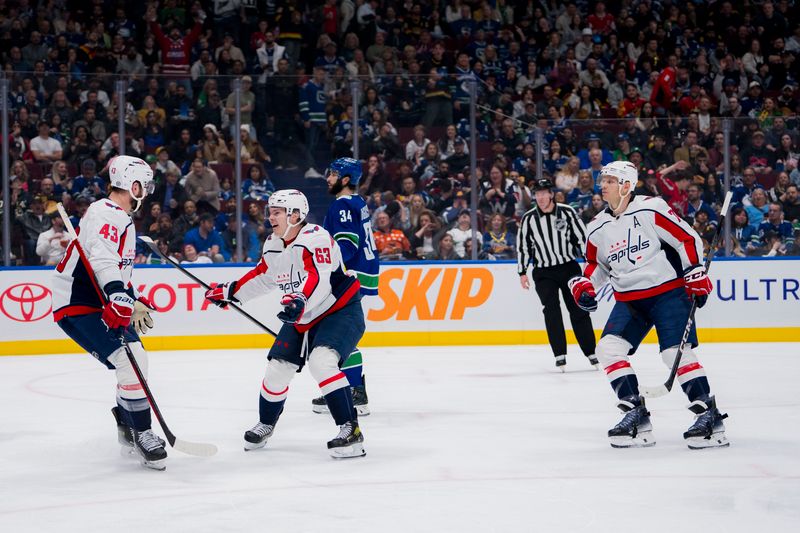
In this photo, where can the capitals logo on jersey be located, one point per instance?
(628, 249)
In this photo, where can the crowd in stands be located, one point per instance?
(649, 81)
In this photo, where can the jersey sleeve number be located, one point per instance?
(323, 255)
(109, 232)
(369, 245)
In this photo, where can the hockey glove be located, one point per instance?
(142, 321)
(119, 309)
(583, 292)
(293, 306)
(697, 284)
(222, 294)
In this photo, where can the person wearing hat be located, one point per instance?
(52, 244)
(584, 47)
(551, 238)
(247, 101)
(758, 156)
(212, 147)
(754, 98)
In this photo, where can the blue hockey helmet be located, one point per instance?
(346, 166)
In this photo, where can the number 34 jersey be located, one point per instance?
(108, 238)
(349, 222)
(311, 264)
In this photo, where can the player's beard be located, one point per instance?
(336, 188)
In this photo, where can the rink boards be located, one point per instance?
(455, 303)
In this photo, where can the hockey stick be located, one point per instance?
(189, 448)
(154, 247)
(661, 390)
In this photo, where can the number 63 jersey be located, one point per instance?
(108, 238)
(311, 264)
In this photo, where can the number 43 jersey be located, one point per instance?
(311, 264)
(108, 238)
(349, 222)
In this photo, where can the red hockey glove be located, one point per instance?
(293, 306)
(142, 321)
(117, 312)
(583, 292)
(222, 294)
(697, 284)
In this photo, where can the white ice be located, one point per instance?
(460, 439)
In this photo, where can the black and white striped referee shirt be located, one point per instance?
(549, 239)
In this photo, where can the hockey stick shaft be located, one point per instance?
(661, 390)
(198, 448)
(154, 247)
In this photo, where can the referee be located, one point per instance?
(551, 237)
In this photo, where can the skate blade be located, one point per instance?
(562, 369)
(128, 451)
(362, 410)
(345, 452)
(717, 440)
(321, 409)
(250, 446)
(642, 440)
(154, 465)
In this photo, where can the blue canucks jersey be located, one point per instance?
(349, 222)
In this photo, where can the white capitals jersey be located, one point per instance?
(643, 252)
(311, 264)
(108, 238)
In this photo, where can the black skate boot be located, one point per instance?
(634, 430)
(561, 363)
(124, 436)
(708, 431)
(257, 437)
(593, 361)
(349, 442)
(360, 400)
(150, 449)
(320, 405)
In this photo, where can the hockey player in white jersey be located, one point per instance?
(323, 319)
(653, 260)
(108, 239)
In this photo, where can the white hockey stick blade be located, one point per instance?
(197, 449)
(654, 392)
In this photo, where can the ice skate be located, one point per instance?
(360, 399)
(124, 436)
(561, 363)
(150, 449)
(708, 431)
(349, 442)
(593, 361)
(634, 430)
(320, 405)
(257, 437)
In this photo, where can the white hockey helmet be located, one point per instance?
(291, 200)
(125, 170)
(624, 171)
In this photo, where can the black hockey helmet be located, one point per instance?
(543, 184)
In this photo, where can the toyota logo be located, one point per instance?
(26, 302)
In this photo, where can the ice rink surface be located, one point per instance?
(459, 440)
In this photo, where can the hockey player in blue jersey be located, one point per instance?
(348, 221)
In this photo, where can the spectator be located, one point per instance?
(416, 146)
(462, 232)
(757, 209)
(778, 192)
(790, 203)
(674, 191)
(33, 223)
(88, 183)
(170, 194)
(176, 49)
(597, 205)
(581, 196)
(423, 237)
(44, 148)
(252, 151)
(247, 101)
(257, 186)
(52, 244)
(497, 196)
(776, 226)
(445, 250)
(191, 257)
(498, 240)
(742, 193)
(206, 240)
(391, 243)
(695, 203)
(228, 249)
(212, 146)
(438, 100)
(202, 187)
(741, 229)
(689, 150)
(758, 156)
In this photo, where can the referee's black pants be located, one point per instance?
(548, 282)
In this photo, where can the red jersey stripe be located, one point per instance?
(313, 275)
(680, 234)
(259, 269)
(647, 293)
